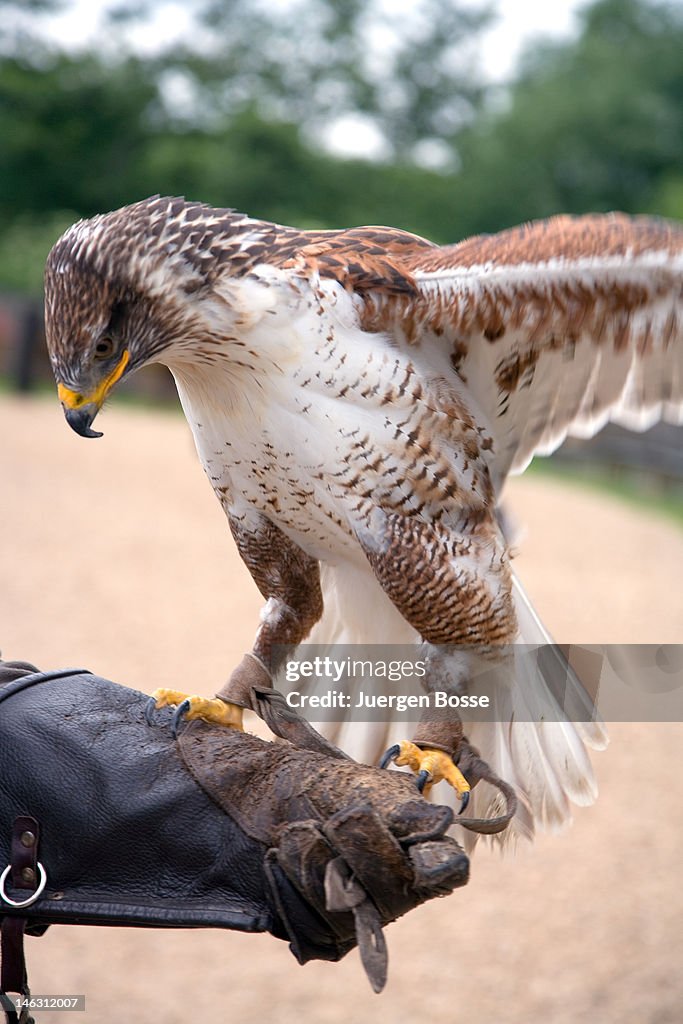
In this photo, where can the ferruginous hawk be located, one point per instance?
(357, 399)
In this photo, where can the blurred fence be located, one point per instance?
(24, 364)
(658, 450)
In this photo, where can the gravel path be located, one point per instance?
(116, 556)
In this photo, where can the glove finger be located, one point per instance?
(375, 857)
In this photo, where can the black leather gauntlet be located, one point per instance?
(216, 829)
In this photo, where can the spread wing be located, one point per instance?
(557, 327)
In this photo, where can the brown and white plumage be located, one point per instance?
(561, 326)
(359, 397)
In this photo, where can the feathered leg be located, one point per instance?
(454, 588)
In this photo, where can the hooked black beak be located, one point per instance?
(81, 419)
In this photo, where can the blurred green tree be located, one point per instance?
(75, 132)
(406, 70)
(240, 113)
(264, 168)
(83, 132)
(594, 123)
(24, 244)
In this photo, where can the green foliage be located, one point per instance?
(668, 197)
(639, 488)
(265, 169)
(74, 133)
(24, 245)
(314, 61)
(236, 118)
(591, 124)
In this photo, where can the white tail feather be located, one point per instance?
(532, 744)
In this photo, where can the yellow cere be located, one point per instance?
(74, 399)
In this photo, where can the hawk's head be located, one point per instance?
(121, 291)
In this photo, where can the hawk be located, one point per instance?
(358, 398)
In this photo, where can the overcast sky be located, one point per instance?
(518, 21)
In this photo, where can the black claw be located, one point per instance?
(390, 755)
(178, 716)
(422, 779)
(465, 801)
(150, 708)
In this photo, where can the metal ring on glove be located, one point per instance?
(34, 895)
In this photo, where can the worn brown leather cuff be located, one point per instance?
(439, 735)
(250, 672)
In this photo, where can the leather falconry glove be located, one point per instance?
(126, 825)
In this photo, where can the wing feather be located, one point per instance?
(557, 327)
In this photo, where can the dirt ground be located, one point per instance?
(116, 557)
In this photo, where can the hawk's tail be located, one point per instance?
(541, 718)
(544, 721)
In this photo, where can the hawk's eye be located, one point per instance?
(104, 348)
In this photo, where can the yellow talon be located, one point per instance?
(437, 763)
(209, 709)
